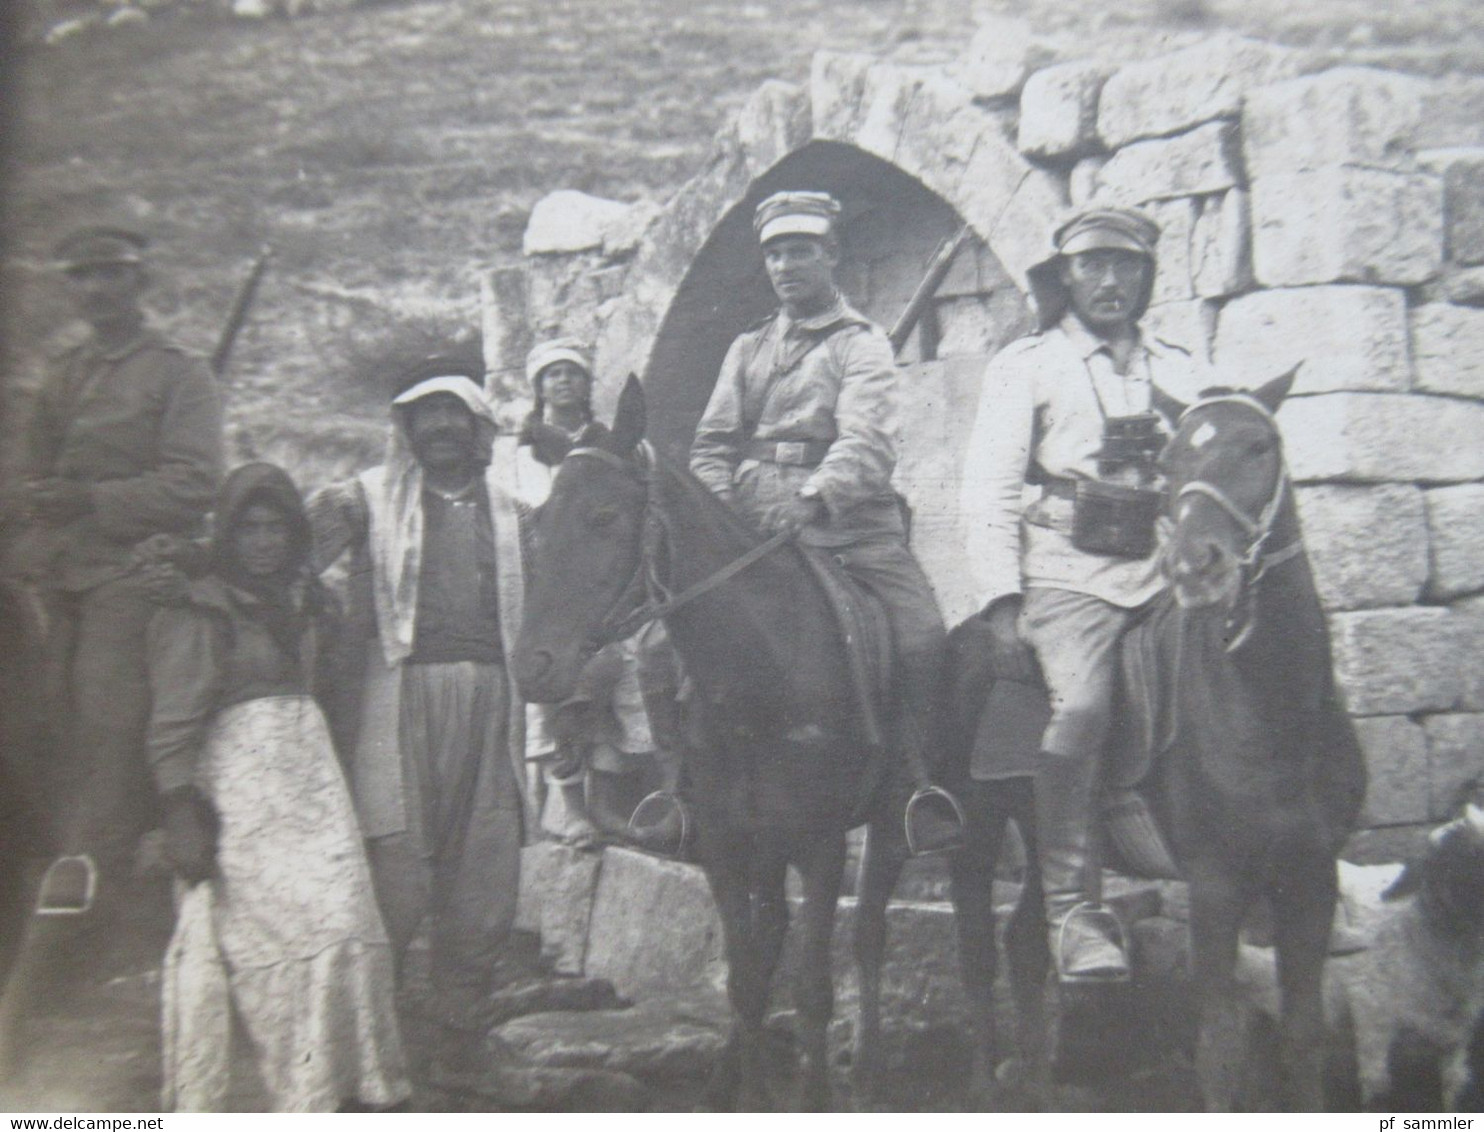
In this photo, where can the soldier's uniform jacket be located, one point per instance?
(821, 395)
(142, 427)
(1041, 411)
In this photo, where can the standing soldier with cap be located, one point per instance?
(126, 443)
(801, 435)
(1072, 409)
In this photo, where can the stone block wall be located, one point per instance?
(1318, 213)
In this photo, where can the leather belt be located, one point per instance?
(799, 453)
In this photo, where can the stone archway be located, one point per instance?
(892, 226)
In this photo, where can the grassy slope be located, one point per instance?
(390, 151)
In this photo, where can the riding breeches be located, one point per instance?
(1075, 637)
(887, 569)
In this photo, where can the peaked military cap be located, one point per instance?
(1124, 229)
(795, 214)
(99, 244)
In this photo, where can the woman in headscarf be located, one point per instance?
(277, 920)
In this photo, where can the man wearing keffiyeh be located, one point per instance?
(436, 755)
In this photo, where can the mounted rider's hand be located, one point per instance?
(794, 515)
(191, 827)
(1011, 657)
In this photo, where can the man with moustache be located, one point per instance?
(437, 758)
(1070, 410)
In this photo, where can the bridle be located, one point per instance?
(647, 596)
(1256, 560)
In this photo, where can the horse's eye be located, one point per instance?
(602, 517)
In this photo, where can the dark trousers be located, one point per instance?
(100, 797)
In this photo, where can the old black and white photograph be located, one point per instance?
(703, 556)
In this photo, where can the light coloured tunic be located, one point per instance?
(1039, 407)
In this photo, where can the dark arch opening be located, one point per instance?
(892, 225)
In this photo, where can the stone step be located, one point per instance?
(551, 995)
(663, 1039)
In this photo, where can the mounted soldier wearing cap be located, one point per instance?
(1073, 411)
(125, 444)
(800, 435)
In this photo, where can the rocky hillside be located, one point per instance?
(389, 151)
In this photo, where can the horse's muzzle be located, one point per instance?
(1203, 573)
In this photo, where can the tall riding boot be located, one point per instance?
(934, 819)
(1086, 938)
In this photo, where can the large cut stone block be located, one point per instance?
(1373, 436)
(1448, 349)
(1348, 338)
(773, 123)
(654, 928)
(1022, 236)
(1221, 245)
(920, 985)
(1452, 113)
(1176, 220)
(1002, 53)
(1191, 324)
(1344, 224)
(886, 99)
(1462, 286)
(1202, 160)
(1059, 109)
(1395, 751)
(995, 172)
(557, 884)
(1345, 116)
(1455, 520)
(1462, 170)
(655, 1041)
(1455, 759)
(837, 80)
(1184, 88)
(1367, 545)
(939, 133)
(1400, 661)
(569, 221)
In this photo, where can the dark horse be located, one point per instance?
(1260, 772)
(775, 767)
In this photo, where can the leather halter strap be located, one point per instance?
(645, 591)
(1257, 530)
(1255, 561)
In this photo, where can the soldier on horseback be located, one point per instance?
(1071, 411)
(800, 435)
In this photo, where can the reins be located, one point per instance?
(646, 595)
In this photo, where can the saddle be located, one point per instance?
(1007, 717)
(867, 637)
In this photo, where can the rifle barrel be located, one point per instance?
(932, 279)
(238, 314)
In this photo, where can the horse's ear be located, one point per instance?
(1272, 394)
(629, 419)
(1167, 406)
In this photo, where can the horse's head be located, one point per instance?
(1226, 481)
(587, 557)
